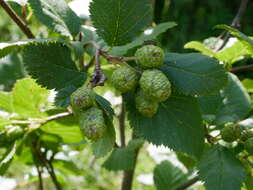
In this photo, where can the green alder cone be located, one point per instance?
(231, 133)
(124, 79)
(246, 134)
(82, 99)
(248, 145)
(13, 133)
(155, 85)
(145, 106)
(92, 123)
(150, 56)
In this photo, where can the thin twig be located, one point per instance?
(188, 183)
(22, 25)
(122, 125)
(40, 177)
(241, 68)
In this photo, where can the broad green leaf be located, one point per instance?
(221, 170)
(57, 16)
(248, 84)
(230, 104)
(198, 46)
(194, 73)
(62, 98)
(156, 31)
(105, 105)
(168, 177)
(67, 128)
(4, 122)
(177, 124)
(104, 145)
(8, 47)
(11, 69)
(123, 158)
(119, 21)
(6, 159)
(52, 66)
(6, 102)
(66, 167)
(29, 98)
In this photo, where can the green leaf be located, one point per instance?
(52, 66)
(29, 98)
(230, 104)
(248, 84)
(156, 31)
(4, 122)
(6, 159)
(62, 98)
(6, 102)
(104, 145)
(57, 16)
(66, 167)
(105, 105)
(8, 47)
(198, 46)
(119, 21)
(177, 124)
(11, 69)
(194, 73)
(221, 170)
(67, 128)
(167, 176)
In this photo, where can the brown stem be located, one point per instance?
(22, 25)
(241, 68)
(122, 125)
(188, 183)
(40, 177)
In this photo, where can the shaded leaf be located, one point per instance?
(6, 159)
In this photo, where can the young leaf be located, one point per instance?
(220, 169)
(230, 104)
(156, 31)
(198, 46)
(57, 16)
(52, 66)
(177, 124)
(119, 21)
(167, 176)
(194, 73)
(29, 98)
(6, 102)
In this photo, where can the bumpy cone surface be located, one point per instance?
(144, 105)
(82, 99)
(150, 56)
(249, 145)
(155, 85)
(124, 79)
(92, 123)
(231, 133)
(246, 134)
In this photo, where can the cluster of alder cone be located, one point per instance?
(234, 132)
(149, 83)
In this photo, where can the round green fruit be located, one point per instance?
(155, 85)
(145, 106)
(246, 134)
(149, 56)
(124, 79)
(92, 123)
(248, 145)
(82, 99)
(231, 132)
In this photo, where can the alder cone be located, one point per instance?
(124, 79)
(82, 99)
(145, 106)
(155, 85)
(231, 132)
(149, 56)
(248, 145)
(246, 134)
(92, 123)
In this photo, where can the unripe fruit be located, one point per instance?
(246, 134)
(82, 99)
(124, 79)
(92, 123)
(231, 132)
(144, 105)
(248, 145)
(150, 56)
(14, 132)
(155, 85)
